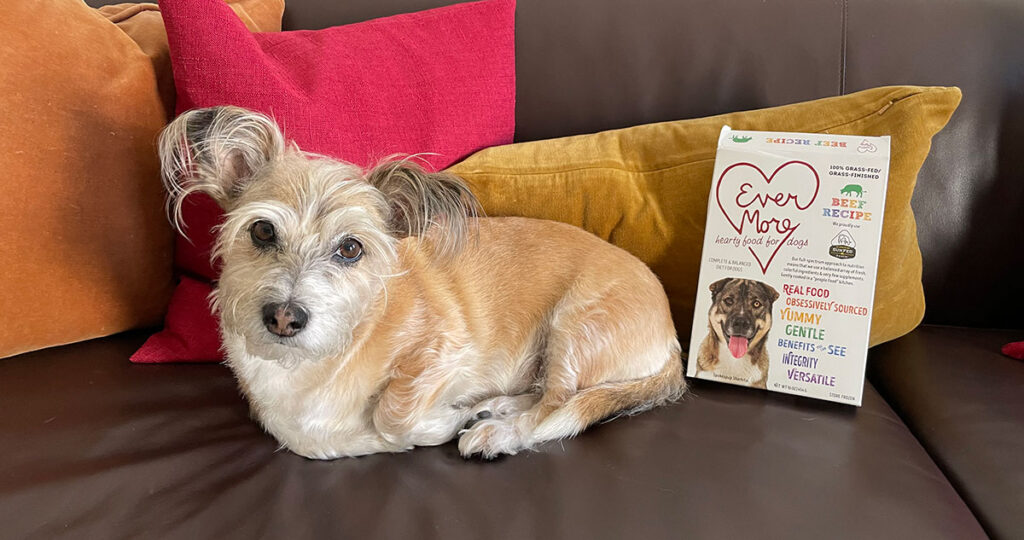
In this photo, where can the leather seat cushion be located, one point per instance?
(965, 402)
(97, 447)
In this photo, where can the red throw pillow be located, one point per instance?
(439, 82)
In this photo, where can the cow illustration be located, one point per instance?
(853, 189)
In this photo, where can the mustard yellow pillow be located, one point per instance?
(645, 188)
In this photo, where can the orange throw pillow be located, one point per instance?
(85, 244)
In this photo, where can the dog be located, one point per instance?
(367, 311)
(738, 324)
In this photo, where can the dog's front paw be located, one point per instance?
(501, 408)
(315, 453)
(489, 438)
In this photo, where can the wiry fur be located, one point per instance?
(223, 144)
(532, 330)
(419, 201)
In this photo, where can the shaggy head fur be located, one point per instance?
(312, 205)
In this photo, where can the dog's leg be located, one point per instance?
(344, 445)
(490, 437)
(556, 417)
(580, 344)
(406, 412)
(627, 397)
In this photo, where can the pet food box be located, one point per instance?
(787, 277)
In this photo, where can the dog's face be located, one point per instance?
(306, 251)
(308, 243)
(741, 312)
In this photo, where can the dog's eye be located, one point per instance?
(263, 234)
(728, 301)
(756, 304)
(349, 251)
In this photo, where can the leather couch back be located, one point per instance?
(590, 65)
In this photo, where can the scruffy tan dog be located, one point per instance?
(373, 311)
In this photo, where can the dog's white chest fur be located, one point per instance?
(738, 369)
(316, 417)
(300, 411)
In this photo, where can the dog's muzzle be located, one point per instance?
(738, 331)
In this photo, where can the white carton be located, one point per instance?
(787, 276)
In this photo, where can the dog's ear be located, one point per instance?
(421, 203)
(217, 151)
(773, 295)
(717, 287)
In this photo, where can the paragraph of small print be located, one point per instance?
(824, 271)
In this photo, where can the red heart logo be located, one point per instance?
(753, 199)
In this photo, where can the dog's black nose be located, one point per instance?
(284, 319)
(740, 326)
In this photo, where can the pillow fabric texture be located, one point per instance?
(83, 234)
(143, 23)
(438, 83)
(646, 188)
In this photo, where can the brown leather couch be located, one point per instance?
(94, 447)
